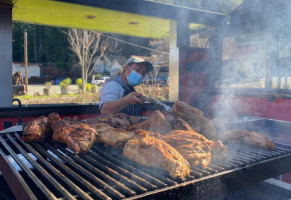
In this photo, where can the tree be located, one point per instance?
(89, 46)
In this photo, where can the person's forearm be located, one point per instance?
(113, 106)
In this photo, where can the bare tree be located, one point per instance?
(153, 74)
(89, 46)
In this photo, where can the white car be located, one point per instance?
(101, 81)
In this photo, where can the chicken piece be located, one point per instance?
(36, 130)
(152, 152)
(55, 120)
(195, 148)
(248, 137)
(77, 136)
(155, 123)
(111, 136)
(196, 119)
(116, 120)
(182, 125)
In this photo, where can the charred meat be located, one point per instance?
(248, 137)
(36, 130)
(77, 136)
(152, 152)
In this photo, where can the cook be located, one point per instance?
(119, 95)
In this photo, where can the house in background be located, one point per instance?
(34, 69)
(109, 65)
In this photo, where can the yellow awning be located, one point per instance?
(60, 14)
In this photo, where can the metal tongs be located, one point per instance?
(150, 100)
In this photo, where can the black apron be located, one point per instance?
(131, 109)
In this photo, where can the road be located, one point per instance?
(34, 90)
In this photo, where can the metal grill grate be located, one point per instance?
(103, 173)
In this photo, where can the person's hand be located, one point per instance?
(132, 98)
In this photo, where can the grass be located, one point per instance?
(155, 92)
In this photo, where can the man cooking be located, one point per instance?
(119, 95)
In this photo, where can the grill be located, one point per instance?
(51, 171)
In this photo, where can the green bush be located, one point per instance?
(94, 88)
(65, 83)
(88, 87)
(79, 82)
(98, 76)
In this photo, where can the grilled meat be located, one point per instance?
(36, 130)
(116, 120)
(152, 152)
(180, 124)
(155, 123)
(55, 120)
(195, 118)
(111, 136)
(195, 148)
(77, 136)
(248, 137)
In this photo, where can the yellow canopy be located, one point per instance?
(60, 14)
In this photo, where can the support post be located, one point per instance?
(6, 56)
(26, 61)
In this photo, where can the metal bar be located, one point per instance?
(56, 172)
(147, 170)
(73, 174)
(125, 172)
(114, 174)
(86, 173)
(246, 155)
(31, 175)
(237, 156)
(44, 173)
(110, 180)
(135, 170)
(15, 181)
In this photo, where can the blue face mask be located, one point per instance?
(134, 78)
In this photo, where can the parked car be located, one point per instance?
(100, 81)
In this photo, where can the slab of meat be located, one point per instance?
(36, 130)
(77, 136)
(195, 148)
(152, 152)
(55, 120)
(195, 118)
(111, 136)
(155, 123)
(180, 124)
(248, 137)
(116, 120)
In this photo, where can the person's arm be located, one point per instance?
(117, 105)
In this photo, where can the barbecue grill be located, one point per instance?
(48, 170)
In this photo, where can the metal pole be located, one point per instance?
(26, 61)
